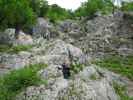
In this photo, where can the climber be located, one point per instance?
(66, 71)
(65, 67)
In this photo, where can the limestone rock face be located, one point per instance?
(78, 41)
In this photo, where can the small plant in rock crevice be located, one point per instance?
(76, 67)
(94, 77)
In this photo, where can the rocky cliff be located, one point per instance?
(71, 41)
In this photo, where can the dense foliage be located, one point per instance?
(16, 13)
(40, 7)
(57, 13)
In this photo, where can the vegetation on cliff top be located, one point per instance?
(22, 14)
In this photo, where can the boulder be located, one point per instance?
(23, 39)
(41, 29)
(7, 37)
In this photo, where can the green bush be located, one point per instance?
(18, 80)
(94, 77)
(127, 6)
(76, 67)
(118, 64)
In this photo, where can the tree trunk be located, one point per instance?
(17, 30)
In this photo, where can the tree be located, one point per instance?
(56, 13)
(40, 7)
(16, 14)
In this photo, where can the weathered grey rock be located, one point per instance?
(125, 51)
(65, 26)
(88, 72)
(57, 52)
(93, 90)
(7, 37)
(71, 28)
(50, 59)
(61, 48)
(79, 88)
(42, 92)
(14, 61)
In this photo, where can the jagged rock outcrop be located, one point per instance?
(57, 52)
(105, 34)
(8, 37)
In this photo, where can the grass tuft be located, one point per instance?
(76, 67)
(121, 91)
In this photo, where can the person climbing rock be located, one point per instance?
(66, 71)
(65, 67)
